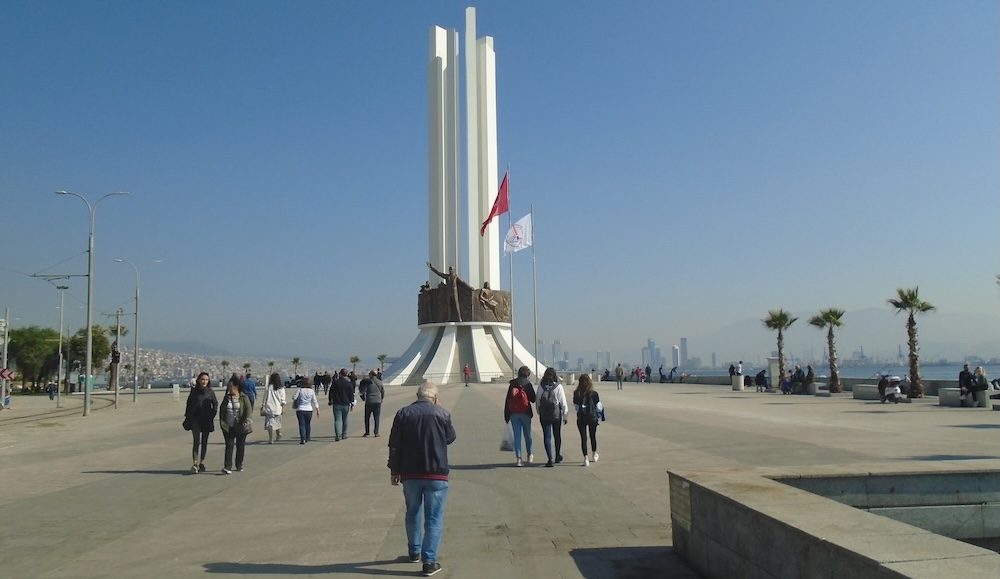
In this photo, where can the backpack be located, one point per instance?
(548, 407)
(518, 401)
(588, 410)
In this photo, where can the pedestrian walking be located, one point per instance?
(517, 411)
(467, 373)
(372, 392)
(271, 409)
(552, 414)
(234, 415)
(199, 418)
(305, 403)
(619, 375)
(589, 411)
(418, 457)
(342, 400)
(250, 389)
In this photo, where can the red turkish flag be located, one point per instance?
(500, 206)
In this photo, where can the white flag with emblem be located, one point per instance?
(518, 236)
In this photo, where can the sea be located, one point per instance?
(927, 372)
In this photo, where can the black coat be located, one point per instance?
(201, 408)
(528, 388)
(342, 391)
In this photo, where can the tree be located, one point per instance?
(270, 368)
(354, 364)
(246, 367)
(32, 350)
(77, 349)
(112, 330)
(779, 320)
(830, 318)
(295, 365)
(225, 366)
(381, 361)
(908, 300)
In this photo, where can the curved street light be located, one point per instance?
(90, 290)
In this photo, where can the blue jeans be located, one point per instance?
(424, 516)
(305, 424)
(550, 430)
(340, 412)
(521, 423)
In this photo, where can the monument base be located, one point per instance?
(441, 350)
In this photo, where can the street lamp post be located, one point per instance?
(135, 334)
(90, 291)
(62, 300)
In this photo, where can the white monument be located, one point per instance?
(446, 343)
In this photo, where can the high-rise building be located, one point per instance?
(557, 352)
(677, 356)
(713, 359)
(684, 352)
(651, 355)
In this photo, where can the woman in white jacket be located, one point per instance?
(274, 401)
(552, 413)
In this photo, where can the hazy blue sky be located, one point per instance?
(691, 165)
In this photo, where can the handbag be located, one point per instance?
(247, 426)
(186, 425)
(507, 438)
(262, 413)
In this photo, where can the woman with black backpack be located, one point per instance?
(589, 411)
(552, 413)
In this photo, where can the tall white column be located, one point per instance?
(489, 180)
(443, 165)
(476, 209)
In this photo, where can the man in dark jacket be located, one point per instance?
(418, 457)
(342, 400)
(372, 392)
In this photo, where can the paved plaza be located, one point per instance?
(110, 495)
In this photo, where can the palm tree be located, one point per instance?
(909, 300)
(779, 320)
(295, 365)
(830, 318)
(354, 364)
(270, 367)
(381, 361)
(225, 364)
(246, 367)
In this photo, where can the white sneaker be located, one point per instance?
(586, 461)
(531, 458)
(519, 463)
(596, 456)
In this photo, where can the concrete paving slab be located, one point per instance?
(110, 495)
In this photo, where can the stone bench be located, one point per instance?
(953, 397)
(950, 397)
(866, 392)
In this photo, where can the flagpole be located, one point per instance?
(510, 266)
(534, 284)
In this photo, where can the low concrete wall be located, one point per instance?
(732, 524)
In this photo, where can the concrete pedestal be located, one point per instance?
(441, 350)
(737, 382)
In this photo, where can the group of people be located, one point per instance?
(553, 412)
(796, 381)
(235, 411)
(638, 375)
(969, 383)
